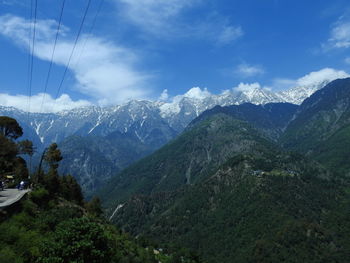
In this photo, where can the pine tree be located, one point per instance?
(52, 158)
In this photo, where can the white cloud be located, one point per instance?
(105, 71)
(314, 78)
(12, 2)
(317, 77)
(244, 87)
(64, 102)
(167, 20)
(246, 70)
(197, 93)
(164, 96)
(154, 16)
(229, 34)
(339, 35)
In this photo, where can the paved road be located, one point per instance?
(10, 196)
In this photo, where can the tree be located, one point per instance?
(10, 128)
(8, 153)
(79, 240)
(70, 189)
(9, 149)
(94, 207)
(53, 156)
(26, 147)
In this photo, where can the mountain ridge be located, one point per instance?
(258, 202)
(149, 124)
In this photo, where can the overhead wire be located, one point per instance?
(91, 28)
(32, 52)
(53, 53)
(89, 34)
(73, 49)
(29, 55)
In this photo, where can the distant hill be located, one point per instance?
(252, 209)
(229, 188)
(321, 127)
(148, 125)
(188, 159)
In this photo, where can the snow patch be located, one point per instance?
(116, 210)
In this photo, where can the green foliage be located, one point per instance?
(321, 128)
(94, 207)
(26, 147)
(78, 240)
(7, 255)
(224, 190)
(10, 128)
(253, 209)
(51, 181)
(53, 224)
(40, 196)
(10, 162)
(334, 152)
(190, 158)
(53, 156)
(8, 153)
(70, 189)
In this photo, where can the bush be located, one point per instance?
(40, 196)
(78, 240)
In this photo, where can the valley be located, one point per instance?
(177, 131)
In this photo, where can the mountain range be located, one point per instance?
(85, 135)
(249, 183)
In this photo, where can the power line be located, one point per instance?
(91, 28)
(53, 53)
(89, 35)
(32, 54)
(29, 54)
(75, 44)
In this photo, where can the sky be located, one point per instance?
(157, 49)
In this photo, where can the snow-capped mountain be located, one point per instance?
(138, 124)
(151, 122)
(309, 84)
(184, 108)
(298, 94)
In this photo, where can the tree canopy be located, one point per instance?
(10, 128)
(53, 156)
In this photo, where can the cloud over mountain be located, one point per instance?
(64, 102)
(104, 71)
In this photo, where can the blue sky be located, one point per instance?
(137, 49)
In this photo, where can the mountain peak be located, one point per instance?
(310, 83)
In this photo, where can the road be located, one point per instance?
(10, 196)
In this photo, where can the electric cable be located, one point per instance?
(53, 53)
(73, 49)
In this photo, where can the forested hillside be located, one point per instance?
(230, 188)
(53, 223)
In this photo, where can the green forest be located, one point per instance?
(54, 224)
